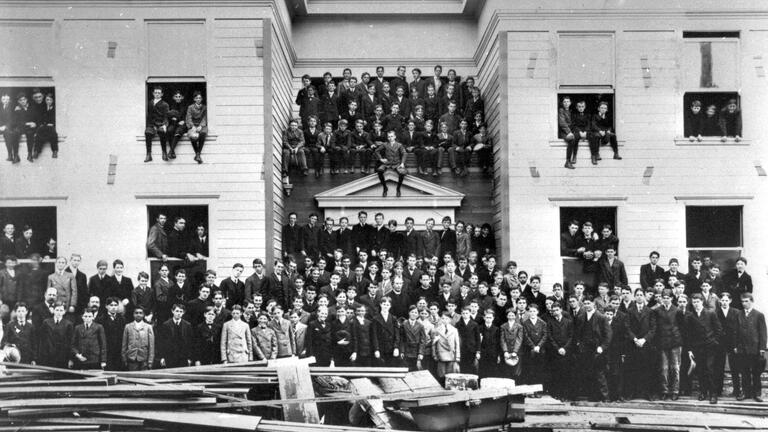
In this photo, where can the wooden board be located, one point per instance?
(374, 407)
(108, 391)
(73, 404)
(295, 381)
(216, 420)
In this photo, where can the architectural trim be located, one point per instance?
(503, 182)
(167, 197)
(370, 61)
(584, 199)
(432, 195)
(29, 198)
(713, 197)
(268, 168)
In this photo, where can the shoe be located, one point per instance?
(16, 159)
(740, 397)
(9, 158)
(757, 399)
(665, 397)
(317, 174)
(172, 155)
(55, 155)
(713, 400)
(148, 158)
(35, 155)
(457, 171)
(436, 173)
(599, 158)
(616, 156)
(165, 157)
(702, 396)
(675, 396)
(594, 160)
(30, 158)
(398, 193)
(305, 173)
(198, 158)
(384, 193)
(569, 165)
(573, 161)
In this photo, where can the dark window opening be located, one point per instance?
(713, 227)
(707, 99)
(193, 216)
(707, 34)
(599, 216)
(14, 93)
(42, 220)
(591, 101)
(187, 89)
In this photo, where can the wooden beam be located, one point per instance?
(295, 382)
(195, 419)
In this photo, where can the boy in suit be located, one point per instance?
(157, 123)
(565, 133)
(751, 345)
(703, 332)
(89, 343)
(602, 133)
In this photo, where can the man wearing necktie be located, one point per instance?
(54, 339)
(89, 343)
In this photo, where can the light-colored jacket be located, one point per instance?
(66, 288)
(138, 343)
(236, 342)
(446, 346)
(265, 343)
(286, 346)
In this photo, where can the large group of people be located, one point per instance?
(430, 117)
(436, 300)
(35, 120)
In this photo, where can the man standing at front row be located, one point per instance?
(391, 156)
(750, 348)
(138, 343)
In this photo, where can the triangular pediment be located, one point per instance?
(416, 192)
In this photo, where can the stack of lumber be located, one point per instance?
(685, 414)
(194, 398)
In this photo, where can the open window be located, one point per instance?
(31, 92)
(710, 67)
(42, 221)
(188, 241)
(591, 102)
(599, 216)
(715, 232)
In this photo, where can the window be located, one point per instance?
(599, 216)
(710, 68)
(591, 100)
(715, 232)
(193, 216)
(15, 91)
(585, 60)
(186, 88)
(27, 49)
(42, 220)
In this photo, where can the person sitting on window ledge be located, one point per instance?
(157, 123)
(25, 122)
(565, 133)
(198, 246)
(391, 156)
(293, 148)
(46, 131)
(602, 133)
(177, 116)
(197, 121)
(694, 122)
(6, 128)
(730, 121)
(711, 125)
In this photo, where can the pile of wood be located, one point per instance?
(685, 414)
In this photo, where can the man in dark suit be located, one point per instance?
(7, 246)
(411, 238)
(447, 238)
(560, 353)
(695, 277)
(176, 340)
(386, 337)
(329, 105)
(319, 340)
(54, 339)
(639, 349)
(278, 284)
(751, 344)
(429, 241)
(411, 138)
(650, 272)
(113, 324)
(469, 340)
(593, 337)
(379, 234)
(233, 288)
(730, 320)
(395, 242)
(327, 239)
(738, 281)
(362, 233)
(81, 280)
(310, 236)
(98, 284)
(667, 327)
(569, 240)
(413, 340)
(674, 265)
(157, 123)
(362, 335)
(617, 351)
(89, 343)
(703, 333)
(178, 246)
(256, 282)
(291, 236)
(535, 339)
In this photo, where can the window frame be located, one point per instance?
(39, 240)
(713, 247)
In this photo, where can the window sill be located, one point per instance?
(23, 138)
(561, 143)
(184, 138)
(711, 141)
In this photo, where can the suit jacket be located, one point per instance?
(561, 334)
(54, 342)
(122, 289)
(329, 108)
(300, 338)
(469, 337)
(448, 242)
(23, 337)
(344, 240)
(702, 330)
(286, 345)
(327, 243)
(7, 245)
(667, 327)
(255, 284)
(648, 275)
(236, 342)
(386, 336)
(175, 344)
(429, 244)
(411, 243)
(590, 334)
(278, 289)
(291, 237)
(157, 241)
(319, 340)
(310, 236)
(620, 342)
(10, 287)
(639, 324)
(113, 332)
(413, 339)
(81, 281)
(737, 285)
(99, 287)
(157, 114)
(411, 139)
(234, 291)
(379, 236)
(730, 324)
(613, 274)
(751, 335)
(90, 342)
(66, 288)
(138, 343)
(512, 337)
(362, 237)
(362, 337)
(207, 343)
(535, 334)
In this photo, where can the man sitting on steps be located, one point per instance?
(391, 156)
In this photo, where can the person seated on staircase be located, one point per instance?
(391, 156)
(481, 145)
(293, 148)
(362, 146)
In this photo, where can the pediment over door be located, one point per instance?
(420, 199)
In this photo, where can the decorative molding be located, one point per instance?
(184, 138)
(713, 197)
(464, 62)
(561, 143)
(417, 193)
(35, 198)
(585, 199)
(176, 197)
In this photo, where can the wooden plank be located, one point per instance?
(107, 421)
(374, 407)
(79, 373)
(748, 411)
(52, 383)
(109, 391)
(421, 380)
(295, 381)
(50, 428)
(215, 420)
(87, 403)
